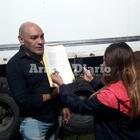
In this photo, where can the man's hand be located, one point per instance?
(46, 97)
(66, 114)
(55, 92)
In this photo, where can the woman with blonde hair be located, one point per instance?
(115, 107)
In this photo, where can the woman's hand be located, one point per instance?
(56, 78)
(87, 75)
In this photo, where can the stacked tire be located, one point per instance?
(9, 114)
(9, 118)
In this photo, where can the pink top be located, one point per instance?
(110, 95)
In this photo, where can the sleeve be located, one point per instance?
(90, 106)
(96, 84)
(19, 90)
(108, 98)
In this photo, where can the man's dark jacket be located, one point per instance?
(27, 82)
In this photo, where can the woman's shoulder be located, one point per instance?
(111, 94)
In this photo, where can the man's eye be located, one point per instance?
(42, 37)
(34, 37)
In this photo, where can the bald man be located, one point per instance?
(29, 86)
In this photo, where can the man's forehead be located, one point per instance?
(36, 34)
(31, 31)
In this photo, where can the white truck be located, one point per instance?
(84, 27)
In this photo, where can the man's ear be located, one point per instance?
(21, 40)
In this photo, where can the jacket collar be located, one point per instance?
(24, 52)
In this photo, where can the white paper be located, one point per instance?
(55, 59)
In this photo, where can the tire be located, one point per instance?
(79, 124)
(9, 117)
(3, 85)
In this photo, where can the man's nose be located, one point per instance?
(41, 41)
